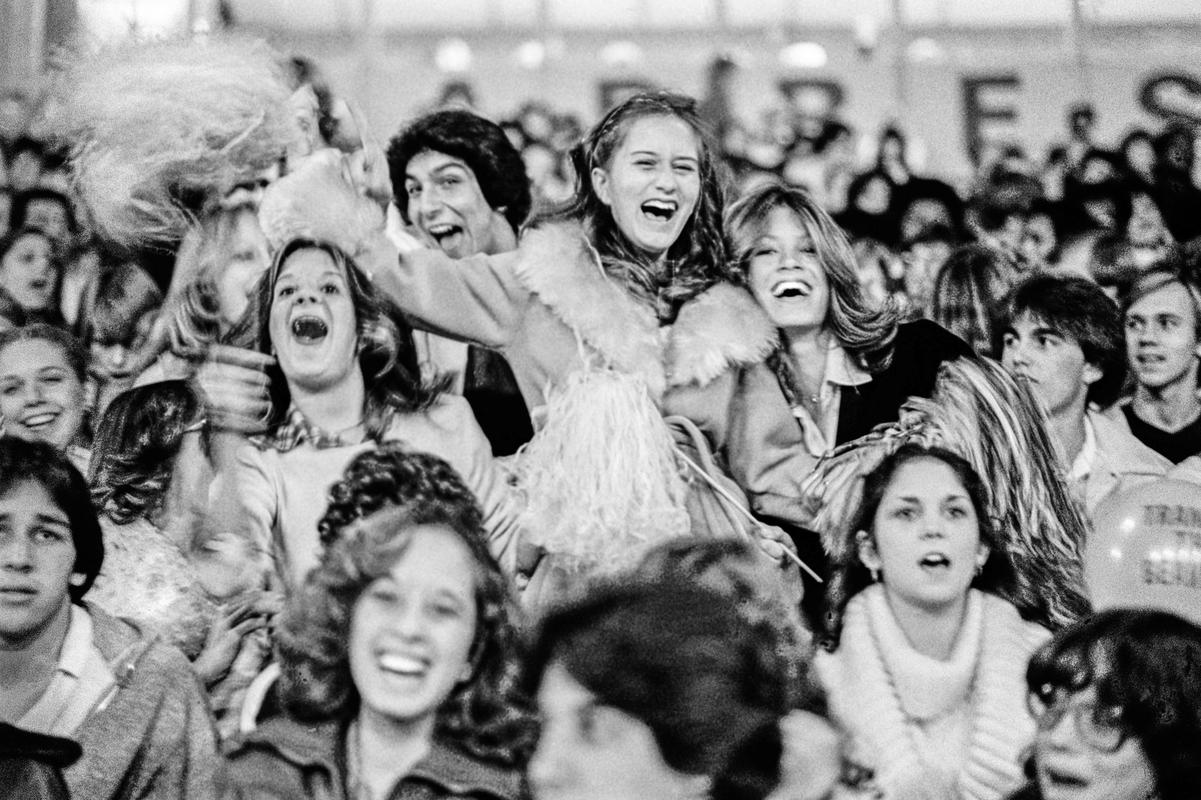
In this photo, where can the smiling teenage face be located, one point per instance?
(41, 396)
(411, 630)
(925, 537)
(652, 182)
(312, 322)
(27, 272)
(449, 208)
(786, 275)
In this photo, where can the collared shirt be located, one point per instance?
(1082, 465)
(81, 680)
(297, 430)
(841, 371)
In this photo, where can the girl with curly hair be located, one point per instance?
(30, 273)
(602, 307)
(398, 662)
(341, 379)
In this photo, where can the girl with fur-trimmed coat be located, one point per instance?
(600, 312)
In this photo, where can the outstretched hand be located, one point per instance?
(235, 387)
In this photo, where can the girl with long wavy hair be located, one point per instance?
(602, 307)
(839, 365)
(398, 657)
(341, 378)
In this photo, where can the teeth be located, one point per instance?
(38, 420)
(444, 229)
(935, 560)
(309, 328)
(659, 208)
(401, 664)
(790, 289)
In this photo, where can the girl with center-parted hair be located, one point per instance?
(1117, 698)
(924, 664)
(30, 273)
(341, 380)
(398, 656)
(43, 377)
(600, 310)
(838, 365)
(657, 689)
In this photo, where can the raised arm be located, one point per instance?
(476, 299)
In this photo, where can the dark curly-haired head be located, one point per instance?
(710, 687)
(479, 143)
(1144, 663)
(698, 258)
(486, 715)
(134, 449)
(39, 463)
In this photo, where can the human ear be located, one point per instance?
(600, 185)
(982, 553)
(1092, 374)
(77, 579)
(867, 551)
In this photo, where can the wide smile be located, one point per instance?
(402, 664)
(40, 419)
(660, 212)
(791, 289)
(309, 329)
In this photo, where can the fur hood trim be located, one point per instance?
(559, 265)
(721, 328)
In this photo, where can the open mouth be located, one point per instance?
(40, 420)
(445, 234)
(791, 289)
(401, 665)
(660, 210)
(309, 330)
(935, 561)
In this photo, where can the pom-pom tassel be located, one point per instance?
(601, 478)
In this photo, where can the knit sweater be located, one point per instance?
(930, 728)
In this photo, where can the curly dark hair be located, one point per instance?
(1148, 664)
(698, 258)
(40, 463)
(710, 687)
(866, 332)
(134, 448)
(478, 142)
(488, 715)
(848, 579)
(386, 352)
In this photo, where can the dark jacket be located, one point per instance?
(921, 348)
(748, 420)
(289, 760)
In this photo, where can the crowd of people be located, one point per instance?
(433, 470)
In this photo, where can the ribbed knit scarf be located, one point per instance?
(881, 690)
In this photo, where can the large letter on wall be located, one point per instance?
(989, 113)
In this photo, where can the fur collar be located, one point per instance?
(559, 265)
(864, 696)
(721, 328)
